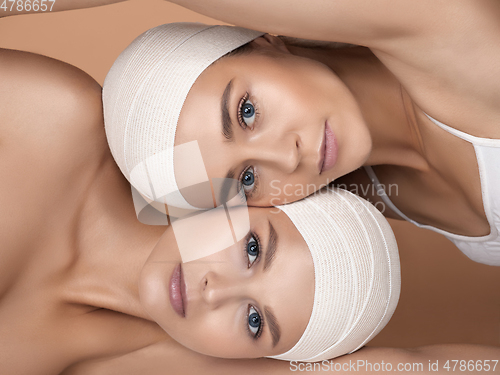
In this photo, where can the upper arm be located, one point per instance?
(444, 53)
(364, 22)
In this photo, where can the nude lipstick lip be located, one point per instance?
(177, 291)
(329, 157)
(322, 152)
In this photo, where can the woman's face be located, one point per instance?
(251, 300)
(281, 124)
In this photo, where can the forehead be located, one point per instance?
(201, 112)
(200, 120)
(290, 289)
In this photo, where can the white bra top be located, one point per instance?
(483, 249)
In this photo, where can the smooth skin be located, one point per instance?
(281, 142)
(101, 336)
(225, 288)
(73, 287)
(73, 250)
(415, 63)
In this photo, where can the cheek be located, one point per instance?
(290, 189)
(154, 294)
(215, 334)
(310, 86)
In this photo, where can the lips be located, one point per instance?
(329, 150)
(177, 291)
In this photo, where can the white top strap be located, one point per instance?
(466, 137)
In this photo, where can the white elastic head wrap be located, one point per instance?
(356, 269)
(143, 95)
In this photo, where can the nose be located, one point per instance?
(282, 152)
(218, 289)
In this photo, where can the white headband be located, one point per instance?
(143, 95)
(357, 273)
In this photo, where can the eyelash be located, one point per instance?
(248, 194)
(240, 111)
(255, 336)
(243, 125)
(245, 248)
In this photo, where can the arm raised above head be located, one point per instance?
(364, 22)
(351, 21)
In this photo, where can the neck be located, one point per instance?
(112, 246)
(385, 106)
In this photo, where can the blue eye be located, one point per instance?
(248, 110)
(248, 177)
(248, 180)
(246, 113)
(254, 321)
(252, 250)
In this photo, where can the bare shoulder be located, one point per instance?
(450, 68)
(50, 114)
(43, 100)
(51, 142)
(170, 358)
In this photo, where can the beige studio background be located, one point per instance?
(445, 297)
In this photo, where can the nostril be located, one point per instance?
(205, 282)
(298, 150)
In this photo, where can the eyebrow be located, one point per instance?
(226, 186)
(227, 132)
(274, 327)
(227, 125)
(272, 245)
